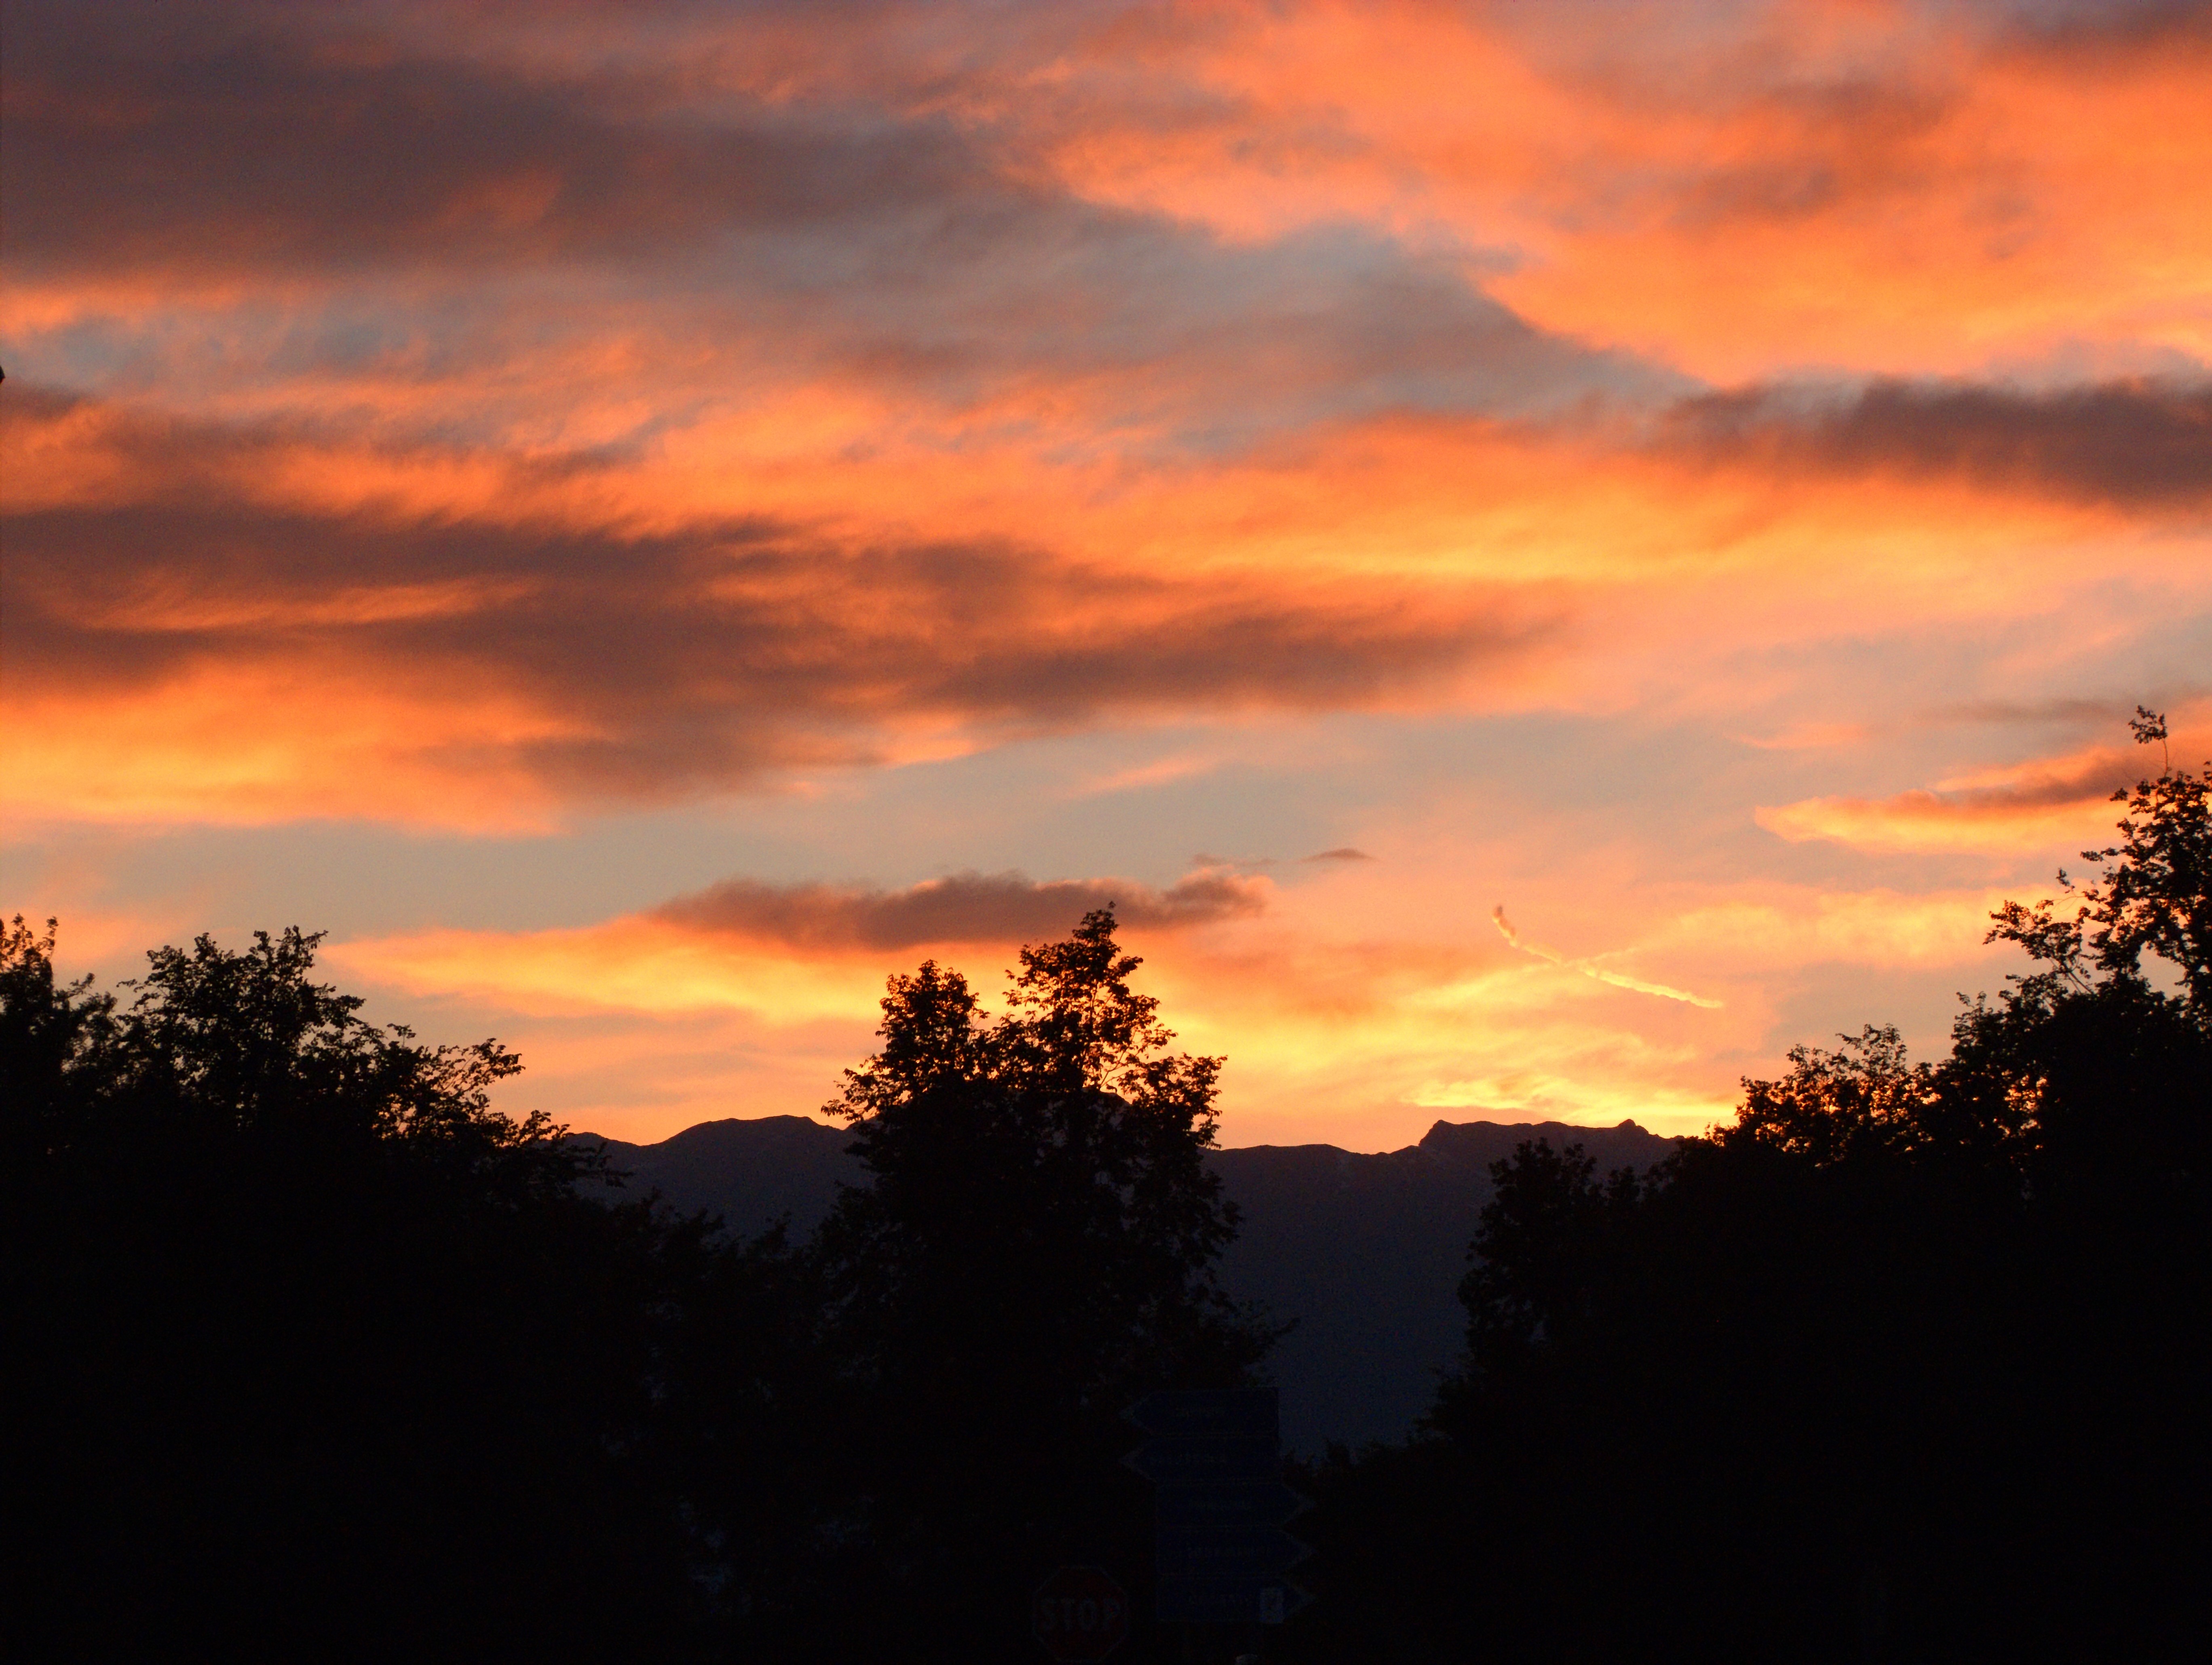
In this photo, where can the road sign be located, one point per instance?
(1228, 1551)
(1216, 1456)
(1229, 1601)
(1185, 1458)
(1251, 1411)
(1230, 1503)
(1278, 1602)
(1079, 1614)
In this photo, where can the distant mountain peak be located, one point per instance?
(1365, 1250)
(1498, 1139)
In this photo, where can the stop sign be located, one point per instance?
(1079, 1614)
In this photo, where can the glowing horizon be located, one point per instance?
(644, 520)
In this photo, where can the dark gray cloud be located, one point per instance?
(216, 138)
(966, 907)
(2139, 444)
(1343, 853)
(2072, 28)
(213, 143)
(2093, 778)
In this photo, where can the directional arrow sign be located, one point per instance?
(1228, 1551)
(1230, 1503)
(1208, 1457)
(1208, 1411)
(1228, 1600)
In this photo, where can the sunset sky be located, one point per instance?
(640, 521)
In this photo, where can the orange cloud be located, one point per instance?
(640, 965)
(251, 740)
(459, 418)
(180, 649)
(247, 623)
(1892, 189)
(2061, 803)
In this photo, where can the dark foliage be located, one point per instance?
(1903, 1364)
(315, 1356)
(1034, 1250)
(2156, 900)
(1361, 1252)
(320, 1357)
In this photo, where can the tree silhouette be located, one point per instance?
(319, 1356)
(381, 1371)
(1895, 1364)
(1544, 1235)
(2154, 901)
(1034, 1249)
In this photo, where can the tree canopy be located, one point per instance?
(326, 1358)
(1895, 1365)
(380, 1370)
(323, 1352)
(2154, 901)
(1055, 1153)
(1034, 1250)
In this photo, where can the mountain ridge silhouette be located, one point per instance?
(1364, 1251)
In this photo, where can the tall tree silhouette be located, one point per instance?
(1035, 1249)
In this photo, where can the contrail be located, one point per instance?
(1633, 984)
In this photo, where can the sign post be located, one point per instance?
(1216, 1457)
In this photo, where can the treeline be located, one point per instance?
(315, 1355)
(318, 1356)
(1909, 1363)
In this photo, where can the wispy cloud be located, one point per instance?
(2023, 807)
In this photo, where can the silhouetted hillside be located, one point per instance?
(1365, 1251)
(750, 1172)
